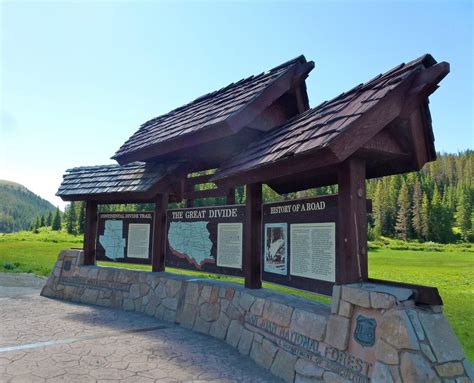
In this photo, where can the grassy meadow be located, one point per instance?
(448, 267)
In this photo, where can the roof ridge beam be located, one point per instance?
(423, 85)
(282, 84)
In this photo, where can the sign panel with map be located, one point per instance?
(207, 239)
(299, 243)
(124, 237)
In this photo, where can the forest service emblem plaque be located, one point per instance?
(364, 333)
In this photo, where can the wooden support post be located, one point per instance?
(159, 234)
(231, 197)
(90, 231)
(351, 265)
(253, 237)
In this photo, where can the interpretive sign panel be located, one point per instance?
(138, 245)
(313, 249)
(299, 243)
(124, 237)
(206, 239)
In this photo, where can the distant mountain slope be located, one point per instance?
(19, 207)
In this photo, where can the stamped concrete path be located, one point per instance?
(44, 340)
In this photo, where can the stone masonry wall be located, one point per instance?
(370, 332)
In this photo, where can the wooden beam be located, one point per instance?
(269, 95)
(198, 179)
(417, 130)
(159, 234)
(384, 143)
(278, 169)
(253, 237)
(212, 132)
(276, 114)
(231, 197)
(104, 198)
(90, 231)
(425, 83)
(217, 192)
(301, 97)
(351, 264)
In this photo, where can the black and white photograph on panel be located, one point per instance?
(276, 248)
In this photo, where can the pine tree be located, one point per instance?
(56, 224)
(417, 221)
(392, 202)
(441, 219)
(451, 198)
(81, 221)
(436, 216)
(37, 225)
(379, 211)
(71, 218)
(464, 212)
(402, 226)
(49, 219)
(425, 218)
(42, 221)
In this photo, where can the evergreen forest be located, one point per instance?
(19, 207)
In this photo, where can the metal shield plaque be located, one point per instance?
(364, 333)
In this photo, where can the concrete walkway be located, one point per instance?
(44, 340)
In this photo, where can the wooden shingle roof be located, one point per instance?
(136, 180)
(324, 126)
(214, 115)
(384, 122)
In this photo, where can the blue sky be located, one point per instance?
(78, 78)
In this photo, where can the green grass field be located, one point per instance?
(448, 267)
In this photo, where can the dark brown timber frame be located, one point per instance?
(352, 227)
(159, 234)
(253, 236)
(90, 233)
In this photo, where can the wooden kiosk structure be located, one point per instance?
(261, 130)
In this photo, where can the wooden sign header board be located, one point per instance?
(124, 237)
(208, 239)
(299, 246)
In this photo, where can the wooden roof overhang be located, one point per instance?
(132, 183)
(385, 121)
(214, 127)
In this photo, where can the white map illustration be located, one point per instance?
(112, 240)
(191, 239)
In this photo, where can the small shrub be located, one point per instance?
(372, 234)
(399, 247)
(9, 266)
